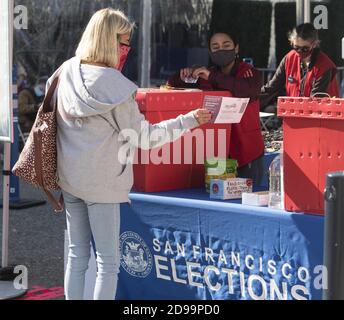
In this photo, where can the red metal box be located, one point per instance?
(313, 146)
(158, 105)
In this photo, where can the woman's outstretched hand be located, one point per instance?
(202, 116)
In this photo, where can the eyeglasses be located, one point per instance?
(301, 49)
(126, 43)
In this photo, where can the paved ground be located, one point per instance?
(36, 239)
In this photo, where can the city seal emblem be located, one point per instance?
(136, 258)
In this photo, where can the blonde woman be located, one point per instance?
(95, 106)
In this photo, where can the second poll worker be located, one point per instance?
(305, 71)
(228, 72)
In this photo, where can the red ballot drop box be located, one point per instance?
(183, 169)
(313, 146)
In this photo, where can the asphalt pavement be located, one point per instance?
(36, 239)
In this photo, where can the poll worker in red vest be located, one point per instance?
(305, 71)
(228, 72)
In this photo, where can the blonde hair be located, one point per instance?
(100, 40)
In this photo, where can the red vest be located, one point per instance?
(293, 75)
(247, 142)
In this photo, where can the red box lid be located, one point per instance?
(173, 100)
(311, 108)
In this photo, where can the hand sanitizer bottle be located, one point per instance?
(276, 189)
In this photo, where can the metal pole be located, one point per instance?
(8, 11)
(334, 236)
(14, 181)
(307, 11)
(145, 43)
(299, 11)
(6, 204)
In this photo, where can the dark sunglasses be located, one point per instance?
(301, 49)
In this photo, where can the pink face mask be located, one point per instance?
(123, 55)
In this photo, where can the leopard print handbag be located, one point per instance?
(37, 163)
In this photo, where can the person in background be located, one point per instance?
(96, 110)
(305, 71)
(39, 88)
(29, 101)
(27, 105)
(241, 80)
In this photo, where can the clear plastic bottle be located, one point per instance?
(276, 190)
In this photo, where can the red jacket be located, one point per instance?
(293, 75)
(247, 143)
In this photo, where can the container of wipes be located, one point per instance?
(230, 188)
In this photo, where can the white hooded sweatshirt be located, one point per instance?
(95, 105)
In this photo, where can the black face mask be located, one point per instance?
(223, 58)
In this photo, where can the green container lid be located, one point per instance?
(213, 162)
(226, 165)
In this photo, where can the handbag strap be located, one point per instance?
(49, 95)
(58, 205)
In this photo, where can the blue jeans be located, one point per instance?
(102, 221)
